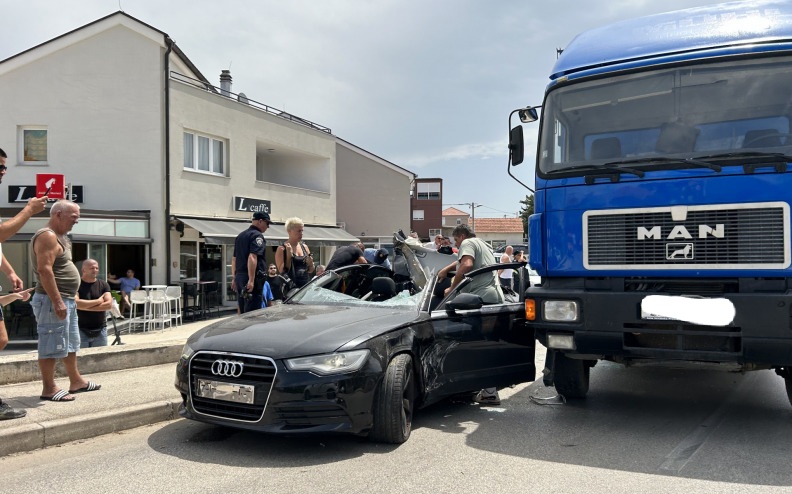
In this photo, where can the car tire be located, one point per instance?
(571, 376)
(393, 404)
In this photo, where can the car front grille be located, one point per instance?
(688, 237)
(258, 371)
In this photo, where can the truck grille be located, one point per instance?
(688, 237)
(258, 371)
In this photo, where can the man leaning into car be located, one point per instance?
(475, 254)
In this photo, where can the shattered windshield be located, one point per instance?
(674, 117)
(358, 287)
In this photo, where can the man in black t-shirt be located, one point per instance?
(347, 256)
(93, 302)
(248, 260)
(276, 283)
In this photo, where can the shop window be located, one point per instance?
(33, 145)
(203, 153)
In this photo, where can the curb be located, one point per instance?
(24, 368)
(29, 437)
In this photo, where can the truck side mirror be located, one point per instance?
(516, 146)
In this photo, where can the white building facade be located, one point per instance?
(166, 167)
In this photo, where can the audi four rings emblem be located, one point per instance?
(227, 368)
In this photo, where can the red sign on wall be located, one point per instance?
(51, 185)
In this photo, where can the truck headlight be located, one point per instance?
(560, 310)
(331, 363)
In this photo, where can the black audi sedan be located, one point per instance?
(356, 350)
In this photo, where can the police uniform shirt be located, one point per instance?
(251, 241)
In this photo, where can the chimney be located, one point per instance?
(225, 83)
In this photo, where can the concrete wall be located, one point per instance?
(373, 198)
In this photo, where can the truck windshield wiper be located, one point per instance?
(692, 162)
(773, 157)
(605, 169)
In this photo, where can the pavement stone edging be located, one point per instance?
(38, 435)
(24, 368)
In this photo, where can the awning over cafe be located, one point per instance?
(225, 231)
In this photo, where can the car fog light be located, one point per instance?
(560, 310)
(561, 341)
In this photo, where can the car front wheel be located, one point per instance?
(393, 404)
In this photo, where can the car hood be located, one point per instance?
(292, 330)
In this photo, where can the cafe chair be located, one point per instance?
(138, 314)
(173, 295)
(158, 310)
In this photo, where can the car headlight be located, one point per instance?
(331, 363)
(187, 352)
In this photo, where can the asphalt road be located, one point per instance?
(640, 430)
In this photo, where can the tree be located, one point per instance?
(526, 211)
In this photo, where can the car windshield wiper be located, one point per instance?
(692, 162)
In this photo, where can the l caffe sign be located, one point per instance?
(251, 205)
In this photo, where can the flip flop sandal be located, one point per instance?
(91, 386)
(59, 396)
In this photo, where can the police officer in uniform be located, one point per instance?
(249, 265)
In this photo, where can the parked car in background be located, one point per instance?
(499, 251)
(356, 350)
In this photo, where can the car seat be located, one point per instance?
(676, 138)
(382, 288)
(606, 148)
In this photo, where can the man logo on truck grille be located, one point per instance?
(679, 251)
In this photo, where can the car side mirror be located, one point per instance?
(465, 301)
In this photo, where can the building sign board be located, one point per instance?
(251, 205)
(23, 193)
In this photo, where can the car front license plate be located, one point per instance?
(216, 390)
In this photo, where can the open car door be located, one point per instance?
(478, 345)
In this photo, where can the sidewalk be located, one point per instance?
(137, 389)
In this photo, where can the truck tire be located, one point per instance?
(571, 376)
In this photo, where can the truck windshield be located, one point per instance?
(671, 114)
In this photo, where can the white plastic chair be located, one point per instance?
(173, 295)
(138, 298)
(159, 313)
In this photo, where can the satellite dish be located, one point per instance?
(243, 99)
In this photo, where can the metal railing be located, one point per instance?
(243, 99)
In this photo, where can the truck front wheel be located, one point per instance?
(571, 376)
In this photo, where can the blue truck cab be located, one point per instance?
(661, 227)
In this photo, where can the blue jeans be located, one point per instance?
(56, 338)
(92, 341)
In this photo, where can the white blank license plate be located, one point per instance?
(216, 390)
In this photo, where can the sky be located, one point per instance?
(425, 84)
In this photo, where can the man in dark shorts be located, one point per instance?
(249, 263)
(93, 302)
(347, 256)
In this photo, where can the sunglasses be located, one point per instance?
(3, 168)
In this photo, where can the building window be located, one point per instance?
(418, 214)
(428, 190)
(459, 221)
(33, 145)
(434, 232)
(204, 153)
